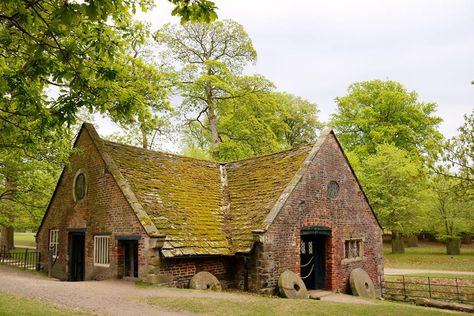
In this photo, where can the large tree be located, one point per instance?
(211, 59)
(382, 115)
(396, 185)
(226, 113)
(378, 112)
(68, 47)
(452, 211)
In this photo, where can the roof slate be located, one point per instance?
(186, 198)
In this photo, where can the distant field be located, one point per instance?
(430, 256)
(24, 239)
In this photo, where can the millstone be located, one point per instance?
(291, 285)
(205, 281)
(361, 284)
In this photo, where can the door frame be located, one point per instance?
(73, 234)
(319, 236)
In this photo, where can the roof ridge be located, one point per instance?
(206, 160)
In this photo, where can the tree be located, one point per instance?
(459, 155)
(262, 123)
(212, 57)
(145, 85)
(58, 58)
(451, 213)
(68, 46)
(227, 114)
(396, 186)
(384, 112)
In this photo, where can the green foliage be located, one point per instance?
(227, 114)
(262, 123)
(459, 155)
(451, 212)
(396, 185)
(384, 112)
(59, 58)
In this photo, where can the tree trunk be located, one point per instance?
(144, 136)
(453, 246)
(412, 241)
(6, 238)
(466, 239)
(397, 242)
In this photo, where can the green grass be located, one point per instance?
(260, 306)
(430, 256)
(17, 305)
(24, 239)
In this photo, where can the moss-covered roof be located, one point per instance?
(205, 207)
(255, 186)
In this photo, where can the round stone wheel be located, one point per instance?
(361, 284)
(205, 281)
(291, 285)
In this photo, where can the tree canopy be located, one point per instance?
(227, 114)
(384, 112)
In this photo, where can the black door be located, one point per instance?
(313, 261)
(130, 256)
(76, 256)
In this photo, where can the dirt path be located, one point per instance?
(416, 271)
(110, 297)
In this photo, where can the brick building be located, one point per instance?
(122, 211)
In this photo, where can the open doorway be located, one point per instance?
(130, 258)
(313, 257)
(76, 256)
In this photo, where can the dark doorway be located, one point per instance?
(76, 256)
(313, 260)
(130, 258)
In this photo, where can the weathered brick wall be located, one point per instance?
(103, 210)
(348, 216)
(178, 272)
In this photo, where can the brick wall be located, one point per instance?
(103, 210)
(348, 216)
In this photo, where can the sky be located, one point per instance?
(316, 49)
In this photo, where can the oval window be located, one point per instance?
(80, 187)
(333, 189)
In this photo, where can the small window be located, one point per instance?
(101, 251)
(54, 242)
(80, 187)
(353, 248)
(333, 189)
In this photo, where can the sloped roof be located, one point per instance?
(182, 196)
(185, 197)
(255, 186)
(202, 207)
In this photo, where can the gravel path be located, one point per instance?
(415, 271)
(110, 297)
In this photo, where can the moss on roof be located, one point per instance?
(181, 196)
(184, 197)
(255, 186)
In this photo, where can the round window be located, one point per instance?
(333, 189)
(80, 186)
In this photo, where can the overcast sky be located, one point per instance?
(315, 49)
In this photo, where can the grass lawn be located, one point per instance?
(430, 256)
(18, 305)
(252, 305)
(24, 239)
